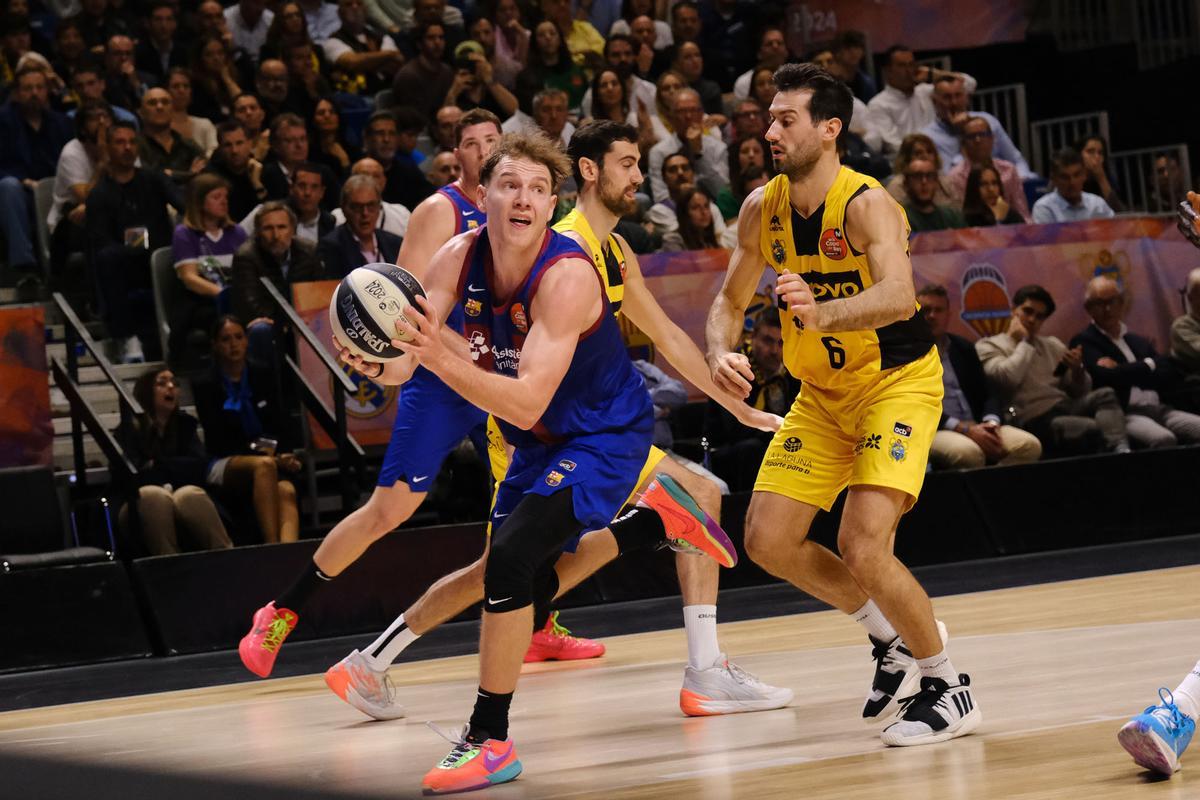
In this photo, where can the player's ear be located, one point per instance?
(589, 169)
(833, 127)
(480, 194)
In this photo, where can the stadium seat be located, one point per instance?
(162, 275)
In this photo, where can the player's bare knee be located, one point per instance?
(864, 557)
(763, 543)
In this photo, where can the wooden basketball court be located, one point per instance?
(1058, 667)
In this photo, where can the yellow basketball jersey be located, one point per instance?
(817, 249)
(609, 258)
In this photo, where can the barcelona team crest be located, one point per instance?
(777, 252)
(517, 315)
(473, 308)
(554, 478)
(898, 450)
(776, 226)
(833, 245)
(472, 224)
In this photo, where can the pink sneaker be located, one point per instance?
(555, 643)
(270, 627)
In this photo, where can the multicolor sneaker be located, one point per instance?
(369, 690)
(726, 688)
(270, 627)
(896, 675)
(937, 713)
(555, 643)
(1157, 737)
(689, 529)
(471, 766)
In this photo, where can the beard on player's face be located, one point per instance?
(615, 197)
(799, 159)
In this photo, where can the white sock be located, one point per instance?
(390, 644)
(871, 618)
(700, 622)
(1187, 694)
(938, 666)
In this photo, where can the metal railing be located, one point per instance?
(332, 421)
(82, 414)
(937, 62)
(1163, 31)
(1050, 135)
(1007, 104)
(1151, 180)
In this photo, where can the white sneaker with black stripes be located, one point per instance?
(896, 676)
(938, 712)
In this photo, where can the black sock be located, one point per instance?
(300, 592)
(638, 529)
(541, 615)
(545, 586)
(490, 718)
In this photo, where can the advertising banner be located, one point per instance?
(26, 432)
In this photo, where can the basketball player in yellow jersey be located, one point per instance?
(869, 407)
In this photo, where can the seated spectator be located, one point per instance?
(918, 146)
(98, 20)
(505, 70)
(249, 111)
(694, 229)
(307, 191)
(306, 84)
(848, 50)
(247, 433)
(368, 58)
(289, 143)
(196, 129)
(393, 217)
(321, 19)
(169, 508)
(585, 43)
(762, 86)
(126, 221)
(688, 61)
(608, 99)
(1167, 183)
(637, 20)
(970, 432)
(358, 241)
(772, 54)
(87, 82)
(549, 116)
(475, 85)
(749, 119)
(951, 99)
(70, 51)
(708, 153)
(744, 154)
(332, 149)
(666, 394)
(272, 85)
(1128, 363)
(977, 138)
(249, 21)
(920, 182)
(1094, 151)
(736, 452)
(424, 81)
(905, 103)
(1046, 384)
(286, 29)
(276, 253)
(620, 55)
(1069, 202)
(445, 169)
(1185, 330)
(550, 66)
(393, 145)
(202, 249)
(124, 85)
(33, 136)
(73, 180)
(439, 138)
(159, 51)
(985, 203)
(679, 175)
(214, 79)
(512, 38)
(235, 163)
(160, 148)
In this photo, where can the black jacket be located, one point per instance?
(223, 432)
(969, 371)
(276, 184)
(176, 457)
(242, 195)
(340, 254)
(1125, 375)
(251, 263)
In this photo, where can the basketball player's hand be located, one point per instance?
(368, 369)
(420, 324)
(759, 420)
(732, 372)
(799, 298)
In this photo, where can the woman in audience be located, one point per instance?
(1100, 180)
(550, 66)
(199, 129)
(512, 38)
(213, 83)
(918, 146)
(666, 86)
(331, 148)
(762, 86)
(203, 248)
(246, 431)
(697, 230)
(287, 28)
(744, 153)
(248, 110)
(984, 203)
(171, 508)
(611, 101)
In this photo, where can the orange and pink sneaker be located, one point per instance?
(270, 627)
(471, 766)
(555, 643)
(689, 528)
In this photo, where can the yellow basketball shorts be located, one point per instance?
(498, 460)
(879, 437)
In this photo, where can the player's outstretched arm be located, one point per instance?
(731, 370)
(681, 352)
(873, 224)
(567, 303)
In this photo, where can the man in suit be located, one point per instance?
(1130, 365)
(358, 241)
(970, 433)
(275, 253)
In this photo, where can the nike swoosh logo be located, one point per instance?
(492, 602)
(473, 288)
(467, 213)
(498, 516)
(419, 478)
(493, 761)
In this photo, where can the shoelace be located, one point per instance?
(459, 740)
(926, 696)
(1168, 712)
(742, 676)
(556, 629)
(882, 654)
(277, 631)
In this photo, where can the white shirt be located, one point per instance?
(520, 122)
(1137, 395)
(249, 39)
(895, 114)
(323, 22)
(862, 123)
(74, 167)
(713, 163)
(741, 86)
(336, 48)
(393, 218)
(307, 232)
(662, 32)
(642, 90)
(1054, 207)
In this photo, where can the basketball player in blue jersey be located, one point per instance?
(869, 407)
(604, 157)
(544, 355)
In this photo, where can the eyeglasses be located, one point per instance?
(921, 176)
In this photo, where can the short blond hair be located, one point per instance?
(536, 147)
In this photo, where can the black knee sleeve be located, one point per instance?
(534, 533)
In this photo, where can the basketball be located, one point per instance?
(368, 302)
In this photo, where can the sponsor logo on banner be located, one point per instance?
(985, 304)
(897, 450)
(517, 315)
(554, 478)
(833, 245)
(900, 429)
(473, 308)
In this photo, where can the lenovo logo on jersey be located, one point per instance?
(833, 285)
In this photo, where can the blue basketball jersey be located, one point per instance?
(468, 216)
(601, 391)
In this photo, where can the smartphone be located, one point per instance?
(264, 446)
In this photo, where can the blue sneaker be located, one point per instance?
(1157, 737)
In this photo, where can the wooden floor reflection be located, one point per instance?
(1057, 668)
